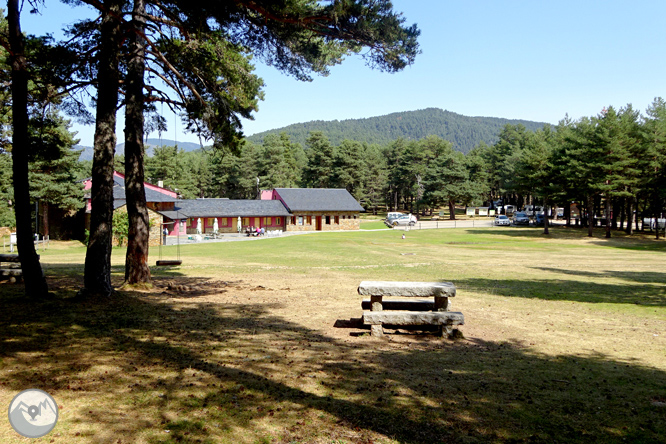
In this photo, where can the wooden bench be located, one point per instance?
(403, 313)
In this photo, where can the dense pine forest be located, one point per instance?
(462, 131)
(611, 166)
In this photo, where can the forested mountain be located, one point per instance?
(87, 153)
(464, 132)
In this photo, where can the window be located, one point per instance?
(328, 220)
(293, 220)
(277, 221)
(337, 220)
(246, 222)
(300, 220)
(309, 220)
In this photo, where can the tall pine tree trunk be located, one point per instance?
(545, 216)
(45, 218)
(35, 282)
(136, 259)
(590, 215)
(452, 210)
(609, 204)
(97, 275)
(630, 215)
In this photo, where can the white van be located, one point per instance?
(390, 217)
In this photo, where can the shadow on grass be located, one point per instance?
(643, 277)
(638, 241)
(566, 290)
(151, 367)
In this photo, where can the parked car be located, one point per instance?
(520, 218)
(406, 219)
(502, 220)
(393, 215)
(538, 219)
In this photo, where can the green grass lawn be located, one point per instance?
(250, 342)
(373, 225)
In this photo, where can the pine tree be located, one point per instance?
(52, 170)
(318, 173)
(349, 168)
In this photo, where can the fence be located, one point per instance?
(435, 224)
(10, 242)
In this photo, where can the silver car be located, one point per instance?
(407, 219)
(521, 218)
(502, 220)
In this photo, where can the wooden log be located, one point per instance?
(406, 289)
(166, 263)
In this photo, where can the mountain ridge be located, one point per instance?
(464, 132)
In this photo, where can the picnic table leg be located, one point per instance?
(376, 303)
(377, 331)
(446, 331)
(441, 303)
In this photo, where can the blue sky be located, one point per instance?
(534, 60)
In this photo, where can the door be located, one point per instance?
(318, 223)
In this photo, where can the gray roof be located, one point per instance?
(151, 195)
(228, 208)
(318, 199)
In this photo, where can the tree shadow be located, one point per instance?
(169, 369)
(643, 277)
(569, 290)
(638, 241)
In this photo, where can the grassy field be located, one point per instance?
(250, 342)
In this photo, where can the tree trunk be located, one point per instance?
(136, 259)
(630, 215)
(45, 218)
(609, 203)
(567, 214)
(590, 215)
(97, 275)
(452, 210)
(35, 282)
(545, 217)
(656, 221)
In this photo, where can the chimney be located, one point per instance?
(160, 183)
